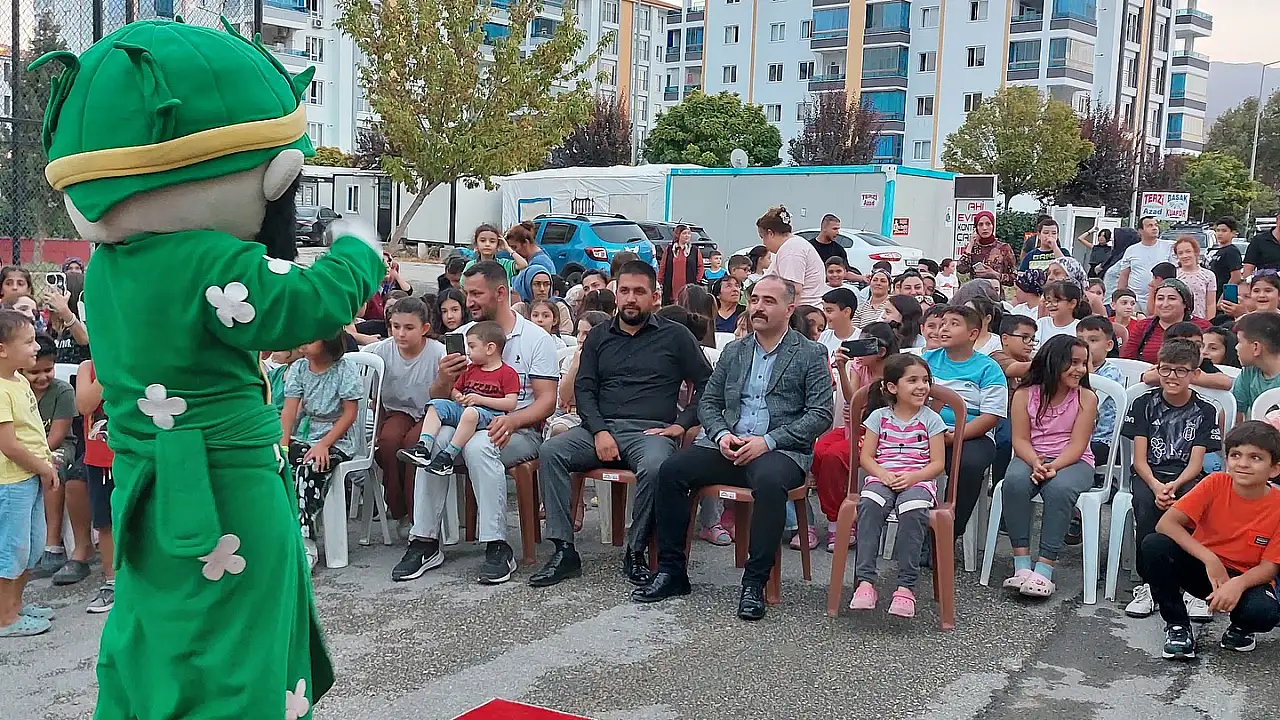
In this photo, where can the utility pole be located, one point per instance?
(1257, 128)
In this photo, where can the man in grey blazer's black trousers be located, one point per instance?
(768, 400)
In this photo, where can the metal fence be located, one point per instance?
(30, 211)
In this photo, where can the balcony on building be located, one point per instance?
(888, 150)
(888, 22)
(1190, 59)
(671, 92)
(675, 17)
(291, 14)
(1024, 60)
(1192, 23)
(826, 3)
(890, 106)
(826, 83)
(695, 13)
(693, 51)
(830, 28)
(1028, 16)
(1189, 92)
(543, 28)
(884, 67)
(1070, 58)
(672, 54)
(293, 59)
(1078, 15)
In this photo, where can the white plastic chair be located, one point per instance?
(712, 355)
(1089, 503)
(1132, 370)
(1231, 372)
(372, 370)
(723, 338)
(1122, 504)
(1264, 404)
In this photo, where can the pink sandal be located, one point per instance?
(903, 604)
(1037, 586)
(1015, 582)
(864, 598)
(715, 535)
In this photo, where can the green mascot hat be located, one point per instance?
(160, 103)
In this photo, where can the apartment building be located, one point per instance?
(924, 65)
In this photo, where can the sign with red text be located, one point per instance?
(870, 199)
(965, 212)
(1171, 206)
(499, 709)
(901, 226)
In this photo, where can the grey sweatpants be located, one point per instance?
(1059, 495)
(874, 505)
(575, 451)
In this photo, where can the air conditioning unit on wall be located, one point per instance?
(317, 23)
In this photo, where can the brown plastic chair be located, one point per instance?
(526, 478)
(942, 519)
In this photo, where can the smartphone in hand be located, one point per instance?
(455, 344)
(863, 347)
(1231, 293)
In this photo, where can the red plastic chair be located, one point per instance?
(526, 479)
(942, 519)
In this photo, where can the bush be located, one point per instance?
(1012, 227)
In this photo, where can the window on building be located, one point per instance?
(929, 17)
(922, 150)
(777, 32)
(1133, 28)
(775, 72)
(1162, 36)
(730, 34)
(609, 11)
(803, 110)
(884, 61)
(730, 74)
(645, 19)
(773, 113)
(924, 106)
(315, 49)
(972, 101)
(1126, 113)
(315, 131)
(977, 56)
(642, 47)
(642, 79)
(1157, 78)
(830, 23)
(1024, 55)
(315, 8)
(642, 109)
(1155, 121)
(1071, 53)
(610, 42)
(732, 2)
(315, 93)
(1131, 72)
(928, 61)
(353, 199)
(610, 70)
(978, 10)
(806, 29)
(806, 69)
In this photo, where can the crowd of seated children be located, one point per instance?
(1209, 376)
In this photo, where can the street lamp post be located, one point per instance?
(1257, 130)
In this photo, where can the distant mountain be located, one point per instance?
(1231, 83)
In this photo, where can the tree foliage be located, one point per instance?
(603, 140)
(371, 147)
(1219, 185)
(1012, 227)
(837, 132)
(29, 207)
(1105, 178)
(1162, 173)
(1232, 134)
(1031, 143)
(456, 106)
(705, 129)
(332, 157)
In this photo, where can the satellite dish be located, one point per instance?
(738, 158)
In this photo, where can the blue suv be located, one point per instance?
(588, 242)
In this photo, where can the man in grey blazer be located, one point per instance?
(768, 400)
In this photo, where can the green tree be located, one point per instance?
(1219, 185)
(1031, 143)
(604, 140)
(705, 129)
(836, 132)
(29, 208)
(332, 157)
(1163, 173)
(1012, 226)
(458, 106)
(1232, 134)
(371, 146)
(1105, 178)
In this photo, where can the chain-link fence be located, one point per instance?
(31, 213)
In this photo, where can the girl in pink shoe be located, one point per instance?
(903, 453)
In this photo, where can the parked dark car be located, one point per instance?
(312, 223)
(663, 234)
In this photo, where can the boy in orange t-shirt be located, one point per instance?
(1221, 543)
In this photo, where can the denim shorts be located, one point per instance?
(450, 413)
(21, 527)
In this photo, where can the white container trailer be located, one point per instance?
(638, 193)
(912, 206)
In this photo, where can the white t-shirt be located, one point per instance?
(946, 284)
(1139, 259)
(991, 345)
(1025, 309)
(829, 340)
(1045, 329)
(406, 385)
(531, 352)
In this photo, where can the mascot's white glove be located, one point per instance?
(342, 227)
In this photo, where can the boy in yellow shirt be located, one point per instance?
(26, 472)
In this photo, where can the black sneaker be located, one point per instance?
(1075, 531)
(419, 455)
(499, 563)
(1179, 643)
(421, 556)
(441, 465)
(1236, 639)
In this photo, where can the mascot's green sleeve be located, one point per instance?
(179, 150)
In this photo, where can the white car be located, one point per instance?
(863, 249)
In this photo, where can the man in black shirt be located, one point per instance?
(1224, 258)
(629, 377)
(825, 243)
(1263, 252)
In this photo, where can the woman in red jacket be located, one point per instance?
(681, 264)
(1173, 305)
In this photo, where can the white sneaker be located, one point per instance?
(1197, 609)
(1142, 605)
(313, 552)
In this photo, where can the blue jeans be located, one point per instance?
(1004, 450)
(21, 527)
(450, 413)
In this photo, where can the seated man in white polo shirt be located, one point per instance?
(511, 439)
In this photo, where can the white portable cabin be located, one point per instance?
(913, 206)
(638, 193)
(349, 192)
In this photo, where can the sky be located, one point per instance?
(1243, 31)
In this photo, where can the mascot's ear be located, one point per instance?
(281, 173)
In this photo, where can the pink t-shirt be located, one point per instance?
(1051, 434)
(1201, 282)
(798, 262)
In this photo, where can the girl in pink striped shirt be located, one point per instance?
(903, 453)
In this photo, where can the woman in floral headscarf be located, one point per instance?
(1070, 270)
(987, 256)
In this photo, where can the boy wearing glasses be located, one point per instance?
(1172, 428)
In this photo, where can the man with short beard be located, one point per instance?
(628, 379)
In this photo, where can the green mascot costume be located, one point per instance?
(179, 149)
